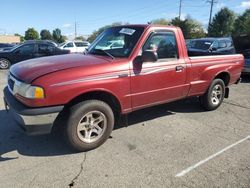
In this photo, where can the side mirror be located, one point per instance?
(149, 56)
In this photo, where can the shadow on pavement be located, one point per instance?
(12, 138)
(190, 105)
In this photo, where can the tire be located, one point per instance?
(89, 125)
(214, 96)
(4, 63)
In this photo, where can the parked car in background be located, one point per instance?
(188, 42)
(6, 46)
(211, 46)
(75, 46)
(242, 46)
(29, 50)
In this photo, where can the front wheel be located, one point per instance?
(89, 125)
(4, 63)
(214, 96)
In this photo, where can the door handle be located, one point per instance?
(179, 68)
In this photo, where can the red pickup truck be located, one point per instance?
(146, 65)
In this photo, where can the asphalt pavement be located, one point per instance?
(171, 145)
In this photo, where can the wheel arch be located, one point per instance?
(101, 95)
(225, 76)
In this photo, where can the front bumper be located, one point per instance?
(33, 120)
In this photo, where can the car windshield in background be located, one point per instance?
(116, 41)
(201, 44)
(60, 45)
(15, 47)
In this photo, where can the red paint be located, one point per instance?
(68, 76)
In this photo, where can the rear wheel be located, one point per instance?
(89, 125)
(4, 63)
(214, 96)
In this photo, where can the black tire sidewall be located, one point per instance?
(76, 112)
(8, 63)
(206, 99)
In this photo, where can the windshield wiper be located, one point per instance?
(103, 52)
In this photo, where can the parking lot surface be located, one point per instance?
(172, 145)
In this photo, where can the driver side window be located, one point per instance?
(215, 44)
(26, 49)
(222, 44)
(163, 43)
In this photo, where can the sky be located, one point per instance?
(18, 15)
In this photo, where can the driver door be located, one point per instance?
(160, 81)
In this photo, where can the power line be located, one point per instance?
(141, 12)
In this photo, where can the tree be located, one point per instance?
(57, 34)
(45, 34)
(58, 37)
(31, 34)
(242, 23)
(80, 38)
(160, 21)
(62, 39)
(190, 27)
(222, 23)
(93, 36)
(21, 37)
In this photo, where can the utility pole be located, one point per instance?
(180, 9)
(75, 30)
(212, 2)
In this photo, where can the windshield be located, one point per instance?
(116, 41)
(15, 47)
(201, 44)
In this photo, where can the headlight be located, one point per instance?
(28, 91)
(34, 92)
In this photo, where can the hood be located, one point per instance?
(31, 69)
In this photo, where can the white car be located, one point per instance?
(75, 46)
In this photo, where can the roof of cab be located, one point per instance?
(147, 26)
